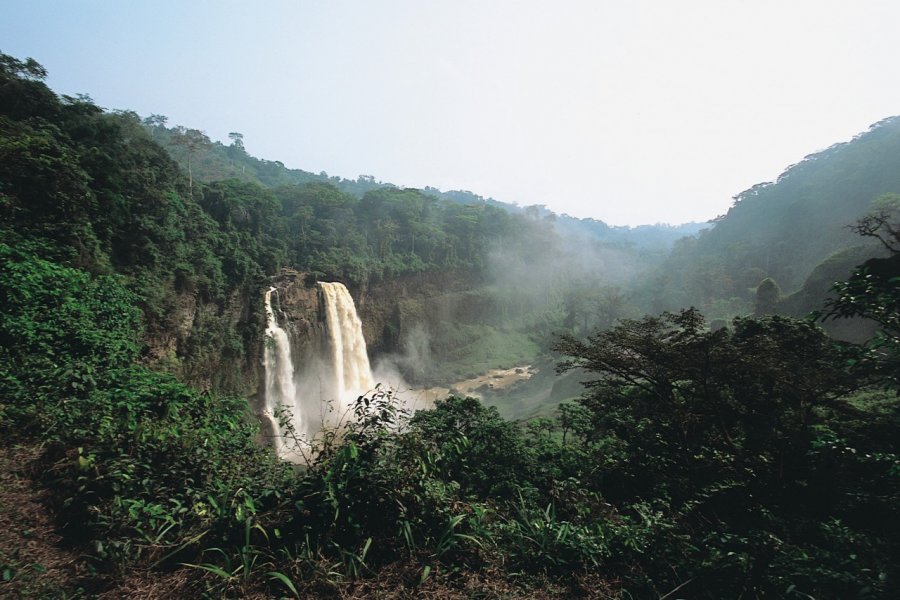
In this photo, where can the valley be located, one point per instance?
(220, 377)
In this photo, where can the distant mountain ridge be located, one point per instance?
(214, 161)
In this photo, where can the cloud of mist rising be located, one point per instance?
(317, 396)
(415, 362)
(557, 266)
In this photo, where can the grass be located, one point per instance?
(470, 350)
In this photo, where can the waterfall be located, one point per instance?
(303, 399)
(350, 370)
(281, 393)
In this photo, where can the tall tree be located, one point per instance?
(191, 140)
(873, 292)
(154, 122)
(237, 139)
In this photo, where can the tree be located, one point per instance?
(768, 294)
(873, 292)
(237, 140)
(684, 398)
(766, 473)
(191, 140)
(480, 450)
(155, 122)
(28, 69)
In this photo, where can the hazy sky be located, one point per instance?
(626, 111)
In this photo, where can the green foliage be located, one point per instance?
(135, 422)
(768, 294)
(873, 292)
(69, 340)
(388, 232)
(376, 488)
(837, 267)
(473, 349)
(352, 231)
(478, 449)
(94, 191)
(757, 461)
(60, 330)
(736, 435)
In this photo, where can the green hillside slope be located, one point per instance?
(783, 229)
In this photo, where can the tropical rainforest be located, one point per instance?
(714, 412)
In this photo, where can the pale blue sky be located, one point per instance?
(626, 111)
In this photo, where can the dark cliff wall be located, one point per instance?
(298, 307)
(390, 309)
(210, 345)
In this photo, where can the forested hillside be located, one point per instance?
(783, 229)
(759, 459)
(213, 161)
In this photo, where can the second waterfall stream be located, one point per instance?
(294, 414)
(350, 362)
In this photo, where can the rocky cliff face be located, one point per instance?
(299, 311)
(207, 344)
(391, 309)
(221, 347)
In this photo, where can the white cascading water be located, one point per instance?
(352, 375)
(328, 389)
(281, 393)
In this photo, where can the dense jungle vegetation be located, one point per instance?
(757, 458)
